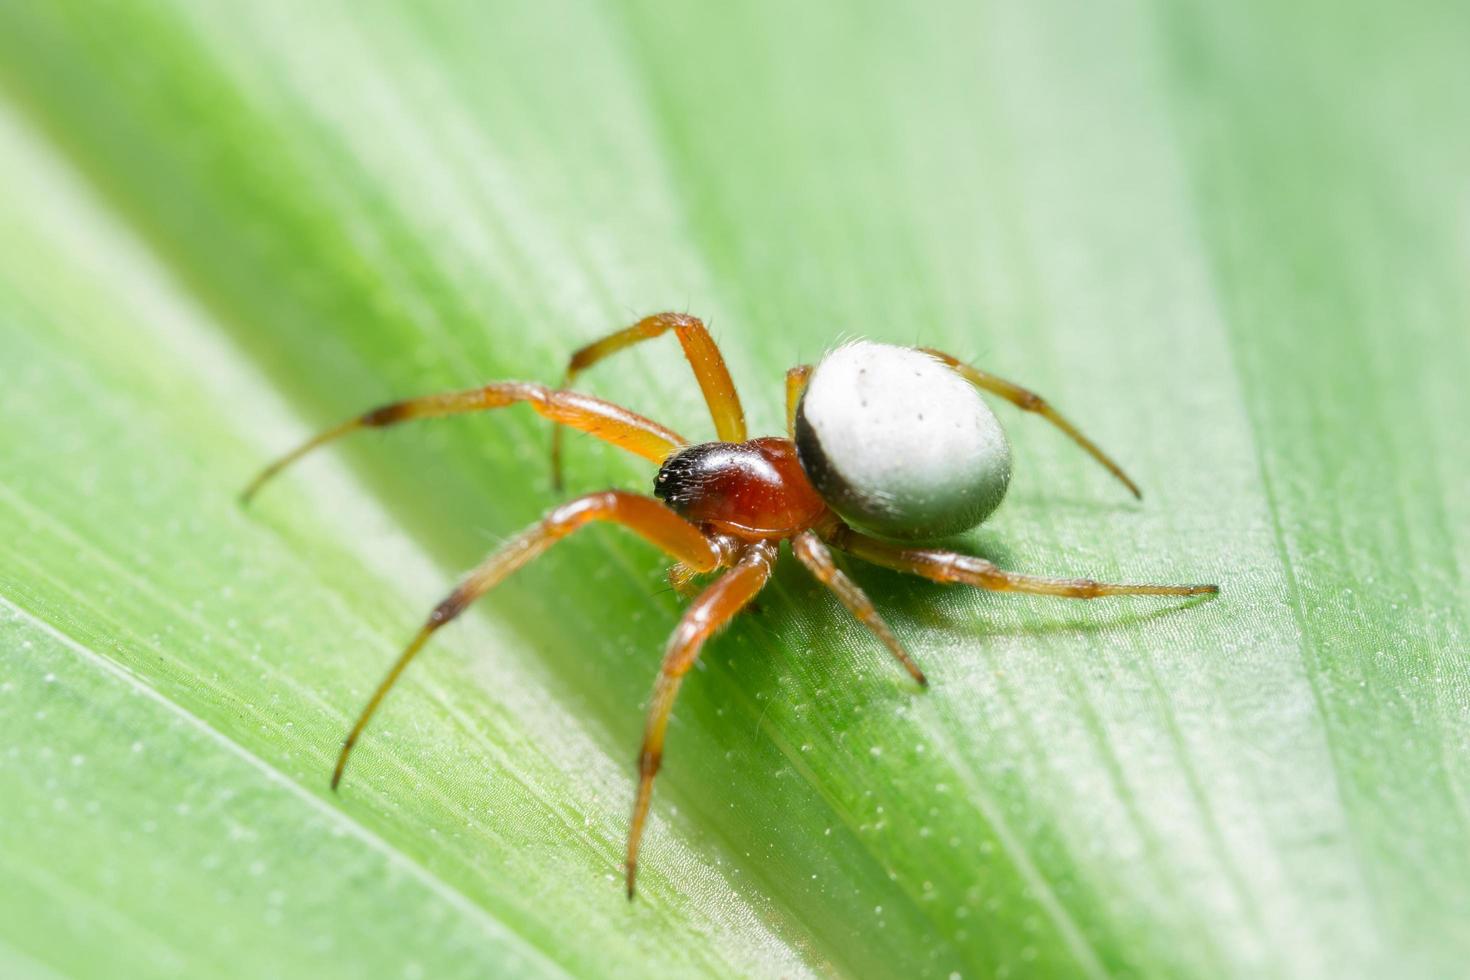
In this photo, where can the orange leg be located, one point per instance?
(683, 577)
(605, 420)
(703, 355)
(818, 560)
(648, 517)
(796, 380)
(714, 608)
(1029, 401)
(950, 567)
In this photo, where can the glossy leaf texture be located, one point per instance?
(1230, 240)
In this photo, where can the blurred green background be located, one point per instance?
(1231, 239)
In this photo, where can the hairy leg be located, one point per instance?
(703, 355)
(715, 607)
(681, 579)
(1029, 401)
(818, 560)
(644, 515)
(952, 567)
(796, 380)
(606, 421)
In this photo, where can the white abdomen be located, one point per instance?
(900, 445)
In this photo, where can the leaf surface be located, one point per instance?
(1229, 241)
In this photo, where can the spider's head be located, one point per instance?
(900, 445)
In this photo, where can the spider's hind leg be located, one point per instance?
(1030, 401)
(951, 567)
(818, 560)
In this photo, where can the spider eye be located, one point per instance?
(899, 445)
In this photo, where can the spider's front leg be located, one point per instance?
(608, 422)
(715, 607)
(647, 517)
(699, 349)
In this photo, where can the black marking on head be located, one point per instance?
(684, 477)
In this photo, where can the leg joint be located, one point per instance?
(385, 415)
(573, 514)
(450, 607)
(671, 320)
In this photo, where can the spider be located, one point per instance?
(886, 448)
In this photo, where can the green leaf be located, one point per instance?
(1229, 239)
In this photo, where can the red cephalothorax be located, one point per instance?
(724, 507)
(754, 490)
